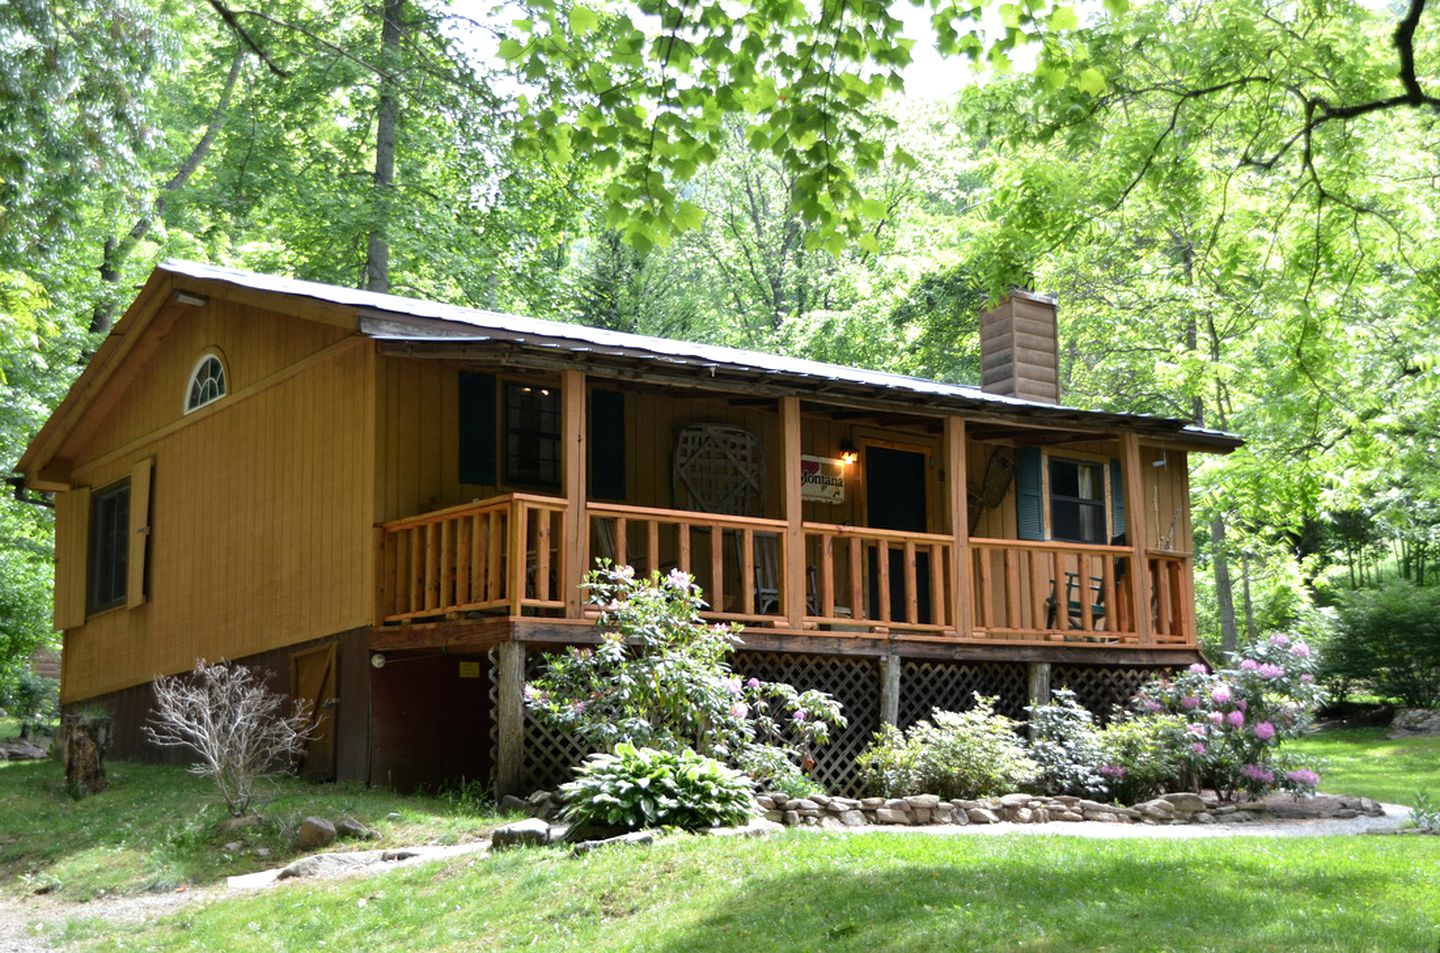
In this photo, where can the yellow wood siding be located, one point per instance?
(261, 504)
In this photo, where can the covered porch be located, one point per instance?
(941, 529)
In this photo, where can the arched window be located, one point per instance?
(207, 383)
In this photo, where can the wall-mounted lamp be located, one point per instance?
(848, 453)
(377, 660)
(1162, 463)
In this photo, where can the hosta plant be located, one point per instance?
(635, 787)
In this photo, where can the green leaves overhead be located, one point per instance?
(649, 91)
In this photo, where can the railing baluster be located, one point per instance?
(717, 569)
(622, 554)
(912, 589)
(542, 554)
(1012, 591)
(682, 546)
(747, 571)
(652, 545)
(495, 536)
(827, 575)
(1107, 591)
(462, 560)
(857, 584)
(444, 592)
(987, 589)
(882, 560)
(1082, 585)
(1163, 623)
(938, 598)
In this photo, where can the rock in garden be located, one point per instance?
(531, 832)
(1022, 815)
(1015, 800)
(852, 818)
(22, 751)
(981, 815)
(511, 804)
(943, 814)
(871, 803)
(232, 824)
(354, 830)
(314, 833)
(923, 802)
(1185, 802)
(1409, 722)
(325, 864)
(632, 839)
(766, 802)
(791, 819)
(889, 815)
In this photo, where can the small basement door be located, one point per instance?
(312, 677)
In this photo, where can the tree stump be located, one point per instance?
(86, 740)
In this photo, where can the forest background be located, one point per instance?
(1234, 201)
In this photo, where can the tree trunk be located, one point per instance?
(377, 253)
(1245, 595)
(1224, 590)
(86, 740)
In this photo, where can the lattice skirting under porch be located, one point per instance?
(855, 683)
(550, 757)
(1103, 688)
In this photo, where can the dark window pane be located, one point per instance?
(109, 545)
(1077, 501)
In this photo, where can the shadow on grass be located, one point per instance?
(1043, 894)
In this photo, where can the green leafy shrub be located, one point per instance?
(1143, 756)
(34, 701)
(661, 678)
(647, 787)
(969, 754)
(1426, 812)
(1066, 746)
(1388, 639)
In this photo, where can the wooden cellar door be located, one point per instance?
(312, 679)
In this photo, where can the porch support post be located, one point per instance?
(576, 453)
(509, 718)
(958, 504)
(890, 690)
(1139, 533)
(794, 548)
(1037, 687)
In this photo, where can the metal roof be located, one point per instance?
(398, 319)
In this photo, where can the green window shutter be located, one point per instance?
(477, 429)
(1117, 497)
(1029, 496)
(607, 445)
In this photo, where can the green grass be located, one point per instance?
(833, 892)
(1363, 762)
(157, 828)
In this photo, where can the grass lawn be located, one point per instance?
(867, 892)
(157, 828)
(1362, 761)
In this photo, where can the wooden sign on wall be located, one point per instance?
(822, 480)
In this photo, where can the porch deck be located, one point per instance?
(521, 555)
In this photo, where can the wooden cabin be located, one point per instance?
(390, 503)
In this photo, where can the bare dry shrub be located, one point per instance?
(234, 723)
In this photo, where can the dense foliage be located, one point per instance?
(661, 678)
(633, 788)
(1388, 641)
(969, 754)
(1065, 744)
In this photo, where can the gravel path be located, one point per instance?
(27, 923)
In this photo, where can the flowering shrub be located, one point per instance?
(967, 754)
(1066, 746)
(1235, 718)
(1143, 756)
(661, 678)
(644, 787)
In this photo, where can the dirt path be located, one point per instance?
(28, 924)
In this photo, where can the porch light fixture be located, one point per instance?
(377, 660)
(848, 453)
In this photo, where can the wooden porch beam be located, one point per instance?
(958, 511)
(575, 455)
(794, 600)
(1139, 534)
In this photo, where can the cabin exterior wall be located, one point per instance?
(260, 504)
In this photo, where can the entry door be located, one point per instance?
(895, 499)
(312, 679)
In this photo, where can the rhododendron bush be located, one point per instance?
(661, 678)
(1235, 719)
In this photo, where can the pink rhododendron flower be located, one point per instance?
(1189, 702)
(1279, 638)
(1198, 748)
(753, 683)
(1216, 717)
(1307, 678)
(1256, 772)
(678, 578)
(1264, 731)
(1221, 694)
(1270, 670)
(739, 710)
(1151, 705)
(799, 714)
(732, 685)
(1249, 665)
(1197, 668)
(1304, 776)
(1112, 770)
(1196, 730)
(1242, 704)
(1300, 650)
(1235, 719)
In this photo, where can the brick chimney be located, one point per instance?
(1019, 348)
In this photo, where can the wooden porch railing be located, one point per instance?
(505, 555)
(738, 561)
(890, 579)
(1053, 591)
(499, 554)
